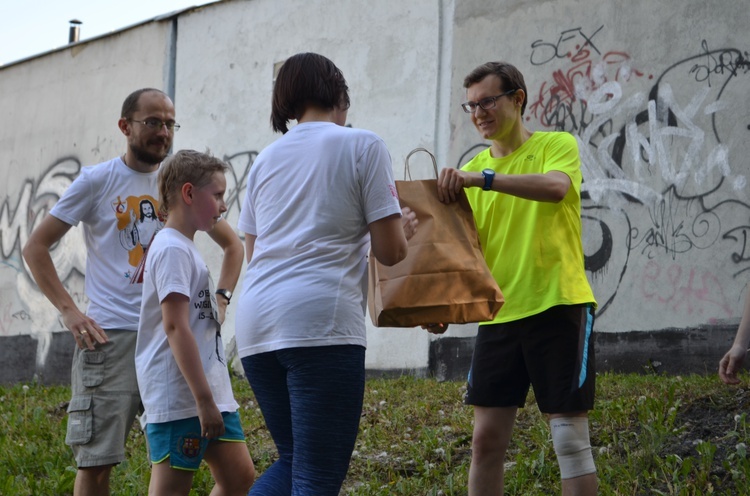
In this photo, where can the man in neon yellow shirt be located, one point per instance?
(525, 193)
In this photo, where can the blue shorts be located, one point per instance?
(181, 441)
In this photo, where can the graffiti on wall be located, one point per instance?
(237, 181)
(664, 184)
(19, 216)
(24, 308)
(659, 184)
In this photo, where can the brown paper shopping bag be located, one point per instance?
(444, 278)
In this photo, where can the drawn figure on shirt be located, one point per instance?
(138, 233)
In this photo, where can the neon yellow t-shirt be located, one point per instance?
(533, 249)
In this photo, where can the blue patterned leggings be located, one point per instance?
(311, 399)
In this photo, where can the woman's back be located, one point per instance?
(310, 198)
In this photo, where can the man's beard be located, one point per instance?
(146, 157)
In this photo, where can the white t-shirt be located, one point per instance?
(118, 207)
(310, 197)
(175, 266)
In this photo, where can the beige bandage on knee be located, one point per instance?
(570, 437)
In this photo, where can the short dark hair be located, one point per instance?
(130, 105)
(306, 79)
(510, 78)
(185, 166)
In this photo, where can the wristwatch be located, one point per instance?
(489, 176)
(226, 294)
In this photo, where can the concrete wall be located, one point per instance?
(655, 92)
(224, 102)
(60, 113)
(657, 95)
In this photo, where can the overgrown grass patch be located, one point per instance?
(651, 435)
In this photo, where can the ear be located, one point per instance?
(519, 96)
(124, 126)
(187, 193)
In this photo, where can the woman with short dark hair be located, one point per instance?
(318, 199)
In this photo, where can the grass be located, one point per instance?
(652, 435)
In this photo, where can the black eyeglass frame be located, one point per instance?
(485, 103)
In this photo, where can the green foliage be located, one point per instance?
(651, 434)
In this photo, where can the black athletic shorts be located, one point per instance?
(552, 351)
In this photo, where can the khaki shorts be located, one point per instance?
(105, 400)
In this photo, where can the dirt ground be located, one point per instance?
(714, 420)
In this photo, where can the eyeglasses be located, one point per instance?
(156, 124)
(484, 103)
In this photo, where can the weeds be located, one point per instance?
(651, 435)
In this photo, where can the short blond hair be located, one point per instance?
(185, 166)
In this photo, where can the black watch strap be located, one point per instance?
(226, 294)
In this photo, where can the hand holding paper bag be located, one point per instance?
(444, 278)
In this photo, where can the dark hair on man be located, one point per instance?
(306, 79)
(510, 78)
(130, 105)
(185, 166)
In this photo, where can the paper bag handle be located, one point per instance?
(406, 162)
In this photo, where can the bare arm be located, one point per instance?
(732, 361)
(550, 187)
(388, 240)
(231, 264)
(389, 236)
(175, 311)
(36, 253)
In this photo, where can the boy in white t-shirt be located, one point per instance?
(190, 411)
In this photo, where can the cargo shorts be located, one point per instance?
(105, 400)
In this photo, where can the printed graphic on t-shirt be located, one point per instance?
(138, 222)
(209, 303)
(206, 306)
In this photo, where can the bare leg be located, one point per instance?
(92, 481)
(168, 481)
(584, 485)
(231, 467)
(492, 432)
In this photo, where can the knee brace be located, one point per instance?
(570, 437)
